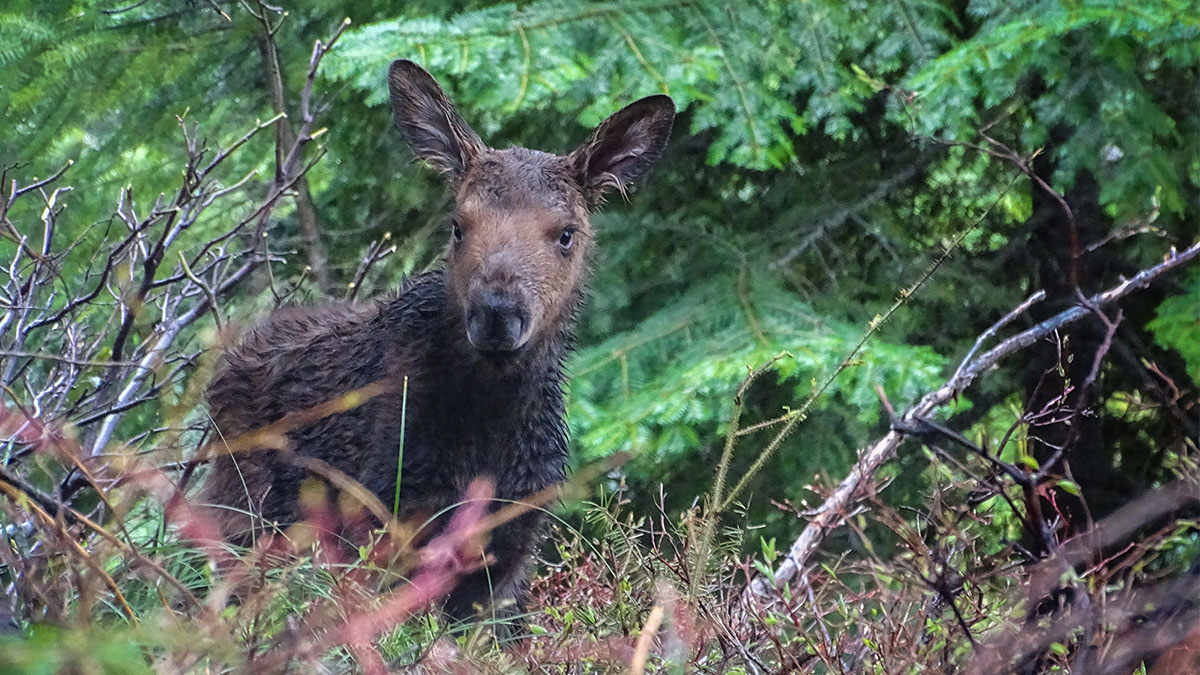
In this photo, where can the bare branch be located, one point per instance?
(378, 250)
(995, 328)
(831, 513)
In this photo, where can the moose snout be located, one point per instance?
(497, 321)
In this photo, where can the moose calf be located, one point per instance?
(481, 341)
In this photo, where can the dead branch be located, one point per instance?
(378, 250)
(833, 511)
(202, 295)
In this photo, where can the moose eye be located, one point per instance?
(566, 239)
(457, 232)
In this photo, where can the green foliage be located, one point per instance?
(667, 387)
(744, 67)
(1177, 324)
(48, 650)
(1098, 68)
(590, 59)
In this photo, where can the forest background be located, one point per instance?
(854, 194)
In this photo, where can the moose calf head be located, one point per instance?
(521, 233)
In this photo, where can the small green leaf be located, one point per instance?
(1070, 487)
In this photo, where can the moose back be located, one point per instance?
(481, 341)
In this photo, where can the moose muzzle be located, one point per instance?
(497, 321)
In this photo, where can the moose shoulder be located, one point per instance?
(481, 341)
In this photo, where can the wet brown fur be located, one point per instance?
(472, 411)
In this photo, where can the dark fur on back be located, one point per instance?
(465, 419)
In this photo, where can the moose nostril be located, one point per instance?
(514, 325)
(496, 322)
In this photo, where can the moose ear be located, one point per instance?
(429, 122)
(623, 146)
